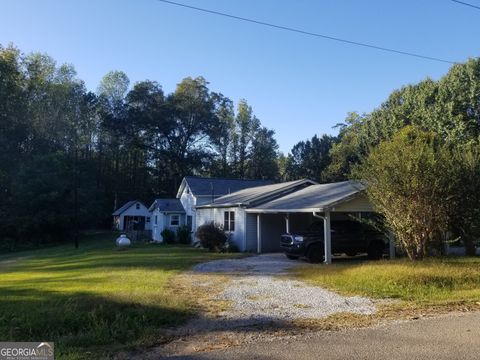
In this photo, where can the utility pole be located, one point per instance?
(75, 193)
(75, 183)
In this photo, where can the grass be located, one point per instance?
(95, 300)
(432, 282)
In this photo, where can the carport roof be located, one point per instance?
(259, 194)
(316, 198)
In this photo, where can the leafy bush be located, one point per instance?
(168, 236)
(184, 235)
(409, 182)
(211, 236)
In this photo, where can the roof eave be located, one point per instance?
(283, 211)
(264, 197)
(181, 188)
(213, 205)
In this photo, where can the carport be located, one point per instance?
(296, 210)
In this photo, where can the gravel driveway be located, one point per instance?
(260, 291)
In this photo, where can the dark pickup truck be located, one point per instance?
(348, 237)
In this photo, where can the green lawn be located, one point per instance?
(96, 299)
(429, 282)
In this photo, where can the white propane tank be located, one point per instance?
(123, 241)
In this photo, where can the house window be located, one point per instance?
(188, 190)
(229, 221)
(156, 219)
(148, 219)
(137, 206)
(189, 221)
(175, 220)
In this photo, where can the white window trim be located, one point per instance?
(171, 220)
(230, 221)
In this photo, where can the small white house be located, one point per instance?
(133, 215)
(166, 214)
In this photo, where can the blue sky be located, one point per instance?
(297, 85)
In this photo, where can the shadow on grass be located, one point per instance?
(85, 326)
(82, 322)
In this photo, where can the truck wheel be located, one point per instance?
(291, 257)
(315, 254)
(375, 250)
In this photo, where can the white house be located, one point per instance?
(230, 212)
(166, 214)
(194, 191)
(133, 215)
(256, 217)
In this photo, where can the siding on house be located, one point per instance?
(204, 216)
(157, 225)
(164, 222)
(167, 221)
(189, 201)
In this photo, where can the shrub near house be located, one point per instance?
(211, 236)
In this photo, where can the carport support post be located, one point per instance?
(327, 237)
(259, 234)
(287, 223)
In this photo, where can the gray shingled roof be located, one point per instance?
(200, 186)
(255, 195)
(167, 205)
(313, 198)
(121, 209)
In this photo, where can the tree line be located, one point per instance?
(70, 156)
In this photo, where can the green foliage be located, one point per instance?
(409, 183)
(310, 159)
(112, 88)
(262, 163)
(168, 236)
(211, 236)
(184, 235)
(465, 209)
(447, 107)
